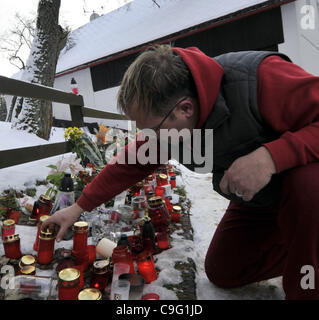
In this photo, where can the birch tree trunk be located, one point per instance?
(35, 116)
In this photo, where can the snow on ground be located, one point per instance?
(24, 175)
(206, 211)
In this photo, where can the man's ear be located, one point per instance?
(187, 108)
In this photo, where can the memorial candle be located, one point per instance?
(46, 247)
(8, 228)
(68, 284)
(36, 242)
(12, 246)
(146, 267)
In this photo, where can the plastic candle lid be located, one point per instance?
(69, 274)
(80, 226)
(27, 259)
(8, 222)
(90, 294)
(27, 269)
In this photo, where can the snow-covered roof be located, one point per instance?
(141, 21)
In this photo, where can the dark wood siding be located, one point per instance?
(261, 31)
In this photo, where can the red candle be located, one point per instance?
(46, 247)
(123, 254)
(176, 214)
(168, 204)
(171, 173)
(80, 250)
(148, 188)
(12, 246)
(81, 270)
(146, 267)
(14, 215)
(36, 242)
(68, 284)
(159, 191)
(44, 205)
(8, 228)
(158, 214)
(163, 240)
(161, 180)
(92, 253)
(172, 182)
(101, 274)
(80, 236)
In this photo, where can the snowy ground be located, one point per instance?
(206, 212)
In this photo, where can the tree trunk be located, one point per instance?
(3, 108)
(36, 115)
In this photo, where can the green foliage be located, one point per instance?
(31, 192)
(10, 201)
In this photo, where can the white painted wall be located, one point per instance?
(104, 100)
(301, 33)
(300, 44)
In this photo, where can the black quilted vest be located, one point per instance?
(238, 127)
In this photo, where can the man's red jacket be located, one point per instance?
(288, 99)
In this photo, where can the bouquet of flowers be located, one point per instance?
(85, 148)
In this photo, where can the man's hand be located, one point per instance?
(61, 220)
(248, 174)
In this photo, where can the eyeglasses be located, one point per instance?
(168, 114)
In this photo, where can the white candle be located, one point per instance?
(105, 247)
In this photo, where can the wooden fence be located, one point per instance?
(20, 88)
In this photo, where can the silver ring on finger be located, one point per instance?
(238, 194)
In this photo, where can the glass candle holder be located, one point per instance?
(176, 214)
(118, 269)
(148, 236)
(138, 205)
(81, 268)
(159, 191)
(158, 214)
(120, 290)
(101, 274)
(148, 187)
(80, 236)
(30, 284)
(90, 294)
(150, 178)
(136, 244)
(171, 172)
(168, 204)
(46, 247)
(8, 228)
(161, 180)
(36, 242)
(80, 250)
(136, 285)
(124, 255)
(172, 182)
(68, 284)
(136, 189)
(12, 246)
(146, 267)
(92, 253)
(162, 240)
(44, 205)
